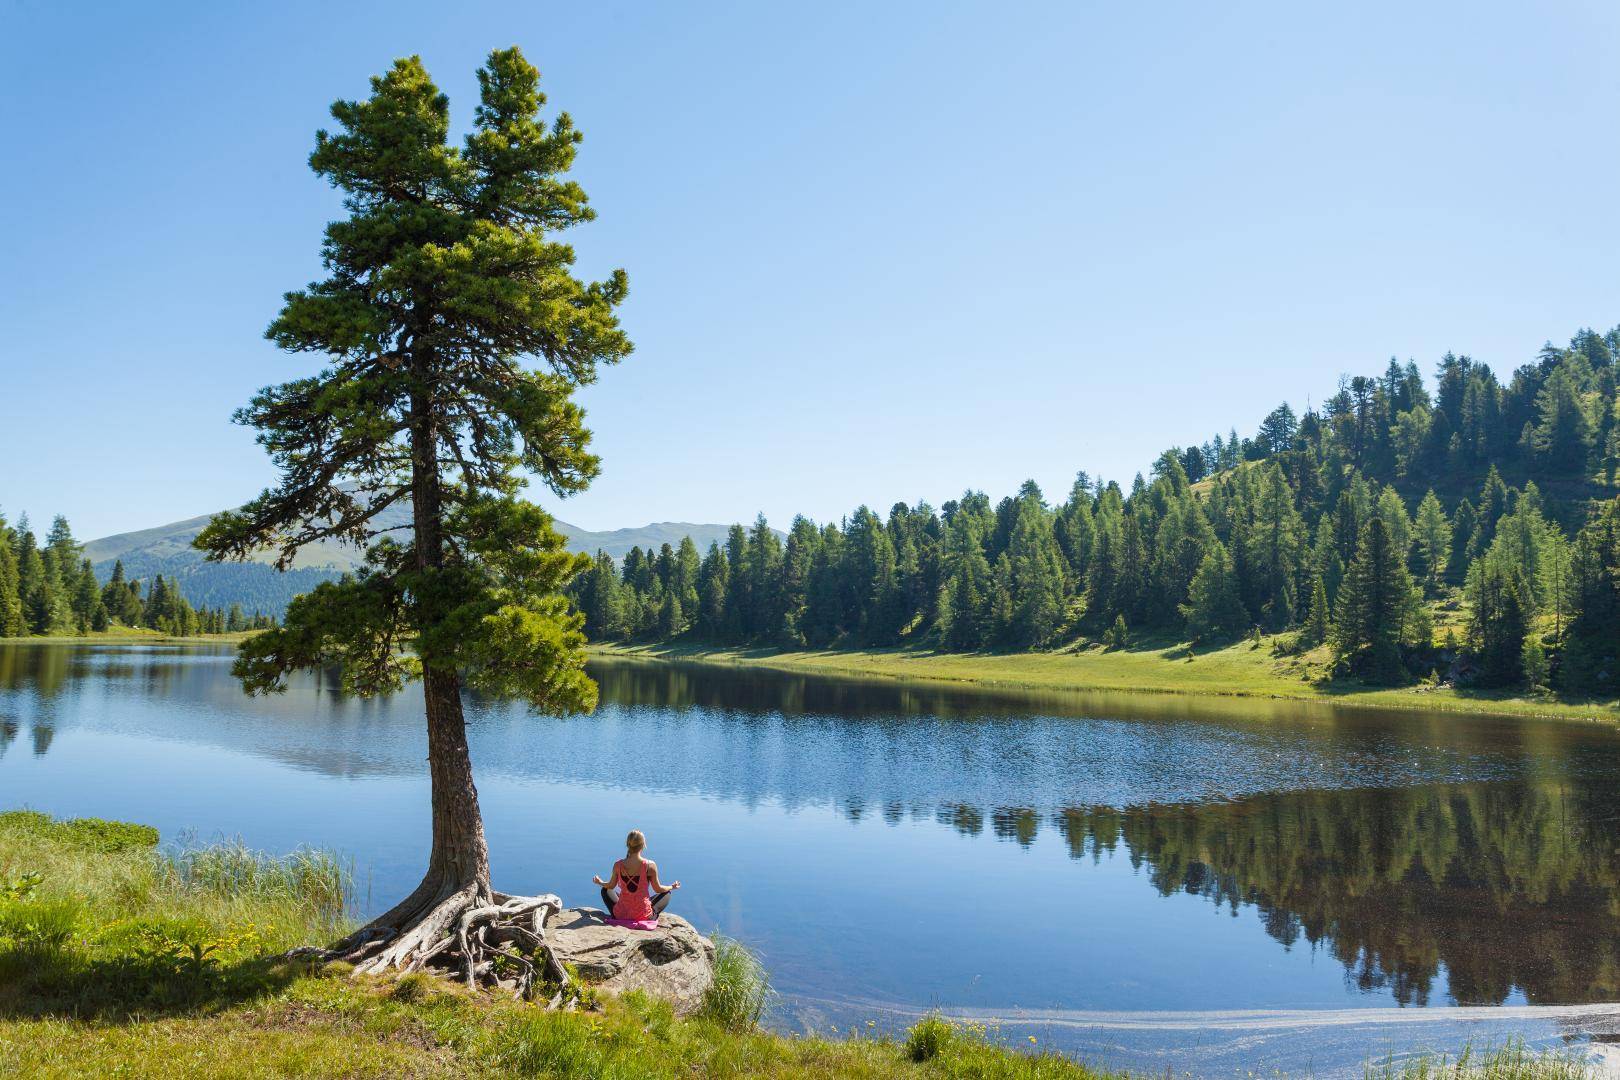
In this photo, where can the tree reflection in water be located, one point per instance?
(1476, 860)
(1501, 887)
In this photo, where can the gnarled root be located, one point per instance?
(480, 937)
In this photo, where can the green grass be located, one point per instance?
(127, 635)
(1156, 666)
(1514, 1061)
(97, 921)
(118, 958)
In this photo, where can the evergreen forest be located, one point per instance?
(1483, 505)
(51, 589)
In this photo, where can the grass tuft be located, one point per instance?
(929, 1038)
(1512, 1061)
(741, 991)
(417, 986)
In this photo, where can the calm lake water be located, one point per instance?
(1150, 883)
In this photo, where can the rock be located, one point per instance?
(674, 962)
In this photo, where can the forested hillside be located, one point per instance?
(256, 585)
(1489, 503)
(52, 589)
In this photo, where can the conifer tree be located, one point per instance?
(1213, 608)
(798, 567)
(1499, 621)
(443, 280)
(1036, 575)
(1563, 432)
(11, 606)
(1317, 624)
(1378, 609)
(1592, 651)
(1534, 662)
(1393, 511)
(33, 584)
(1464, 528)
(713, 576)
(1433, 533)
(86, 597)
(1118, 636)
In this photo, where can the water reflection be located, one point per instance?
(1504, 888)
(1432, 858)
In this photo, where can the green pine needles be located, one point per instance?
(455, 334)
(442, 283)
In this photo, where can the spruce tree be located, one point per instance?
(443, 280)
(1213, 608)
(713, 577)
(1378, 609)
(1499, 620)
(34, 586)
(1563, 432)
(1591, 662)
(1464, 523)
(1037, 576)
(11, 606)
(1318, 623)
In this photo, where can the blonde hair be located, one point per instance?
(635, 841)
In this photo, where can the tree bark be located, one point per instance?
(457, 876)
(459, 857)
(453, 920)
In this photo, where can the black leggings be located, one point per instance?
(660, 901)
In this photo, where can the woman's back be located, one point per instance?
(634, 903)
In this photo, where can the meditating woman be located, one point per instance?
(641, 896)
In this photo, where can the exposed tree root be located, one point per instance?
(481, 937)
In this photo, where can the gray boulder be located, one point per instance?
(674, 962)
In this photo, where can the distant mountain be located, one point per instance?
(258, 586)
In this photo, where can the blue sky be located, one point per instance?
(876, 251)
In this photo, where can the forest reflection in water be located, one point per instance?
(1435, 858)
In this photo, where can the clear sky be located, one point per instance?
(876, 251)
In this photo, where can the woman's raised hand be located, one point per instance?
(597, 879)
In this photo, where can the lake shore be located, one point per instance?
(127, 636)
(118, 958)
(1240, 670)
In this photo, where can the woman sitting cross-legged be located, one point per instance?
(641, 896)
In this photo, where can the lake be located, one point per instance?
(1204, 887)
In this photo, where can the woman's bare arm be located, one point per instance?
(613, 878)
(652, 879)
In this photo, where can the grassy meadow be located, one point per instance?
(1250, 668)
(128, 635)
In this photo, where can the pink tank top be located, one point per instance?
(633, 904)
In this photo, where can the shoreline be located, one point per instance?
(1236, 672)
(130, 637)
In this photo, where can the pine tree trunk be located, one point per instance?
(457, 876)
(453, 920)
(459, 857)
